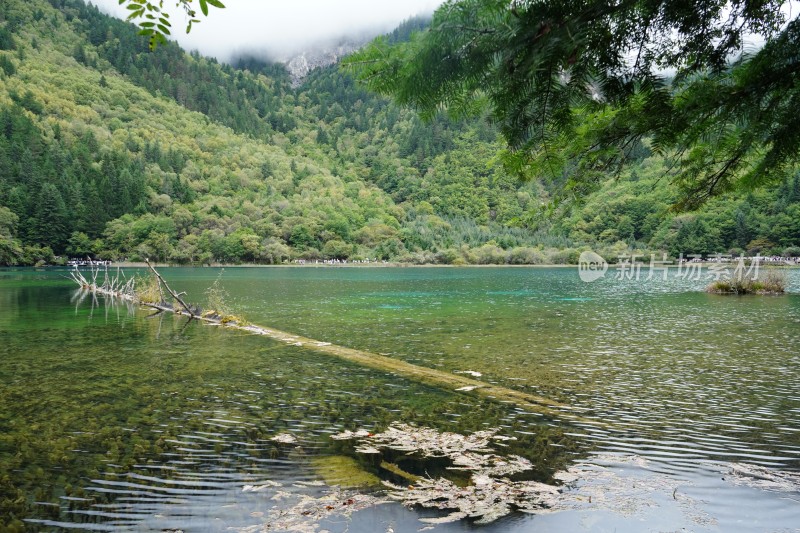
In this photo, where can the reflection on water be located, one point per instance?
(116, 420)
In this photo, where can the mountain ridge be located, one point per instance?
(107, 149)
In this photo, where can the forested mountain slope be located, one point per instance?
(108, 149)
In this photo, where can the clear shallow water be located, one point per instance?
(110, 419)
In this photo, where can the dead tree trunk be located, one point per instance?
(191, 311)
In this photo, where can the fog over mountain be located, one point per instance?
(283, 29)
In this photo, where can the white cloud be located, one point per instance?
(280, 27)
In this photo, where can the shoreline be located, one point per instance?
(611, 266)
(135, 264)
(326, 265)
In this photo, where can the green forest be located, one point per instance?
(112, 151)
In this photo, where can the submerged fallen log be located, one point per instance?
(430, 376)
(422, 374)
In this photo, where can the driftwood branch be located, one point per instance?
(177, 296)
(119, 286)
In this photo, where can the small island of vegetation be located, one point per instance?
(773, 282)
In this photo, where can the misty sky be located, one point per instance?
(280, 27)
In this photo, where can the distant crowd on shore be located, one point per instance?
(340, 262)
(87, 262)
(728, 258)
(717, 258)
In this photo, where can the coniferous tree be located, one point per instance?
(50, 225)
(558, 79)
(6, 39)
(7, 65)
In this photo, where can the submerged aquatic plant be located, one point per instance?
(302, 513)
(344, 472)
(427, 441)
(489, 493)
(628, 485)
(761, 477)
(485, 499)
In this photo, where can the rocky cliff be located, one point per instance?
(322, 55)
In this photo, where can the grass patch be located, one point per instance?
(773, 282)
(217, 298)
(147, 289)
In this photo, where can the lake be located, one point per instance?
(683, 404)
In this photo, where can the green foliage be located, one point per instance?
(574, 89)
(80, 245)
(56, 186)
(154, 22)
(184, 160)
(38, 256)
(337, 249)
(7, 65)
(8, 222)
(48, 225)
(6, 39)
(148, 289)
(791, 251)
(634, 209)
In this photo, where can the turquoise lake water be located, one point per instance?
(113, 419)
